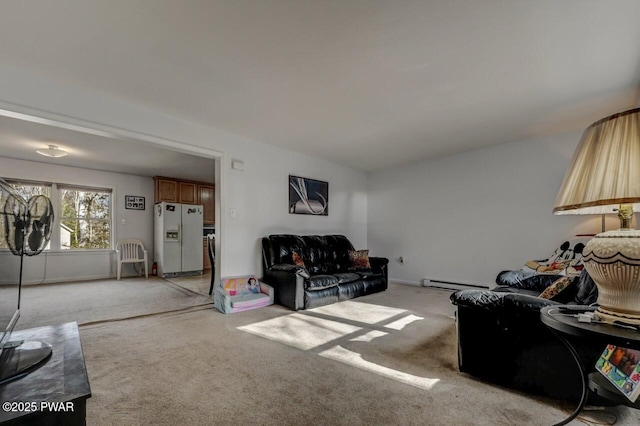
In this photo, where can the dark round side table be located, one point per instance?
(566, 323)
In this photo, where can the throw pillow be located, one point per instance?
(297, 259)
(359, 259)
(556, 287)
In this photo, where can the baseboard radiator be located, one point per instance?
(450, 285)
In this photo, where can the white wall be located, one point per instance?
(259, 194)
(66, 265)
(466, 217)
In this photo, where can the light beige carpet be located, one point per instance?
(197, 283)
(100, 300)
(384, 359)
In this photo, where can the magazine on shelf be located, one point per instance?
(621, 366)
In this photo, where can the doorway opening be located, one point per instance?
(97, 152)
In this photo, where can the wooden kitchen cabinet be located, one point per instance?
(166, 190)
(188, 192)
(206, 197)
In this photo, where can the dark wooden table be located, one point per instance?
(562, 324)
(62, 382)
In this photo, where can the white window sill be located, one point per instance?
(69, 252)
(77, 252)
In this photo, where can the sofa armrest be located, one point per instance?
(288, 286)
(379, 265)
(221, 300)
(267, 289)
(481, 299)
(285, 267)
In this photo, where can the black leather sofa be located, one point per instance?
(327, 276)
(501, 338)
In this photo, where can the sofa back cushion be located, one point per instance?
(340, 246)
(327, 254)
(320, 253)
(278, 249)
(316, 250)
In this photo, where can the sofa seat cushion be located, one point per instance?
(319, 282)
(249, 301)
(346, 277)
(351, 290)
(322, 297)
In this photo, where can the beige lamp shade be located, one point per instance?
(605, 169)
(605, 174)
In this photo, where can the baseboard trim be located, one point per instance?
(448, 285)
(58, 280)
(405, 282)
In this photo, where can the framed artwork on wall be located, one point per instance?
(133, 202)
(308, 196)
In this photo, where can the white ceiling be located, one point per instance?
(366, 83)
(20, 139)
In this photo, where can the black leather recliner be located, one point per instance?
(501, 339)
(327, 276)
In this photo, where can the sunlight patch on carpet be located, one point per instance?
(403, 322)
(368, 337)
(340, 354)
(307, 331)
(300, 331)
(357, 311)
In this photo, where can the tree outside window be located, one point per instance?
(85, 221)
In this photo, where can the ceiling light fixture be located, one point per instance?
(53, 151)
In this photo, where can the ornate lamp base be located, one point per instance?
(613, 260)
(611, 317)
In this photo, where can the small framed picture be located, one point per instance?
(133, 202)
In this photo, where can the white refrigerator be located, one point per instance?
(178, 239)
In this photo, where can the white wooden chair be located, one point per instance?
(131, 250)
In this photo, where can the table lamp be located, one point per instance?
(604, 176)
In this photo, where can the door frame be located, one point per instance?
(83, 126)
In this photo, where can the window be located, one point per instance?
(28, 190)
(83, 215)
(85, 221)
